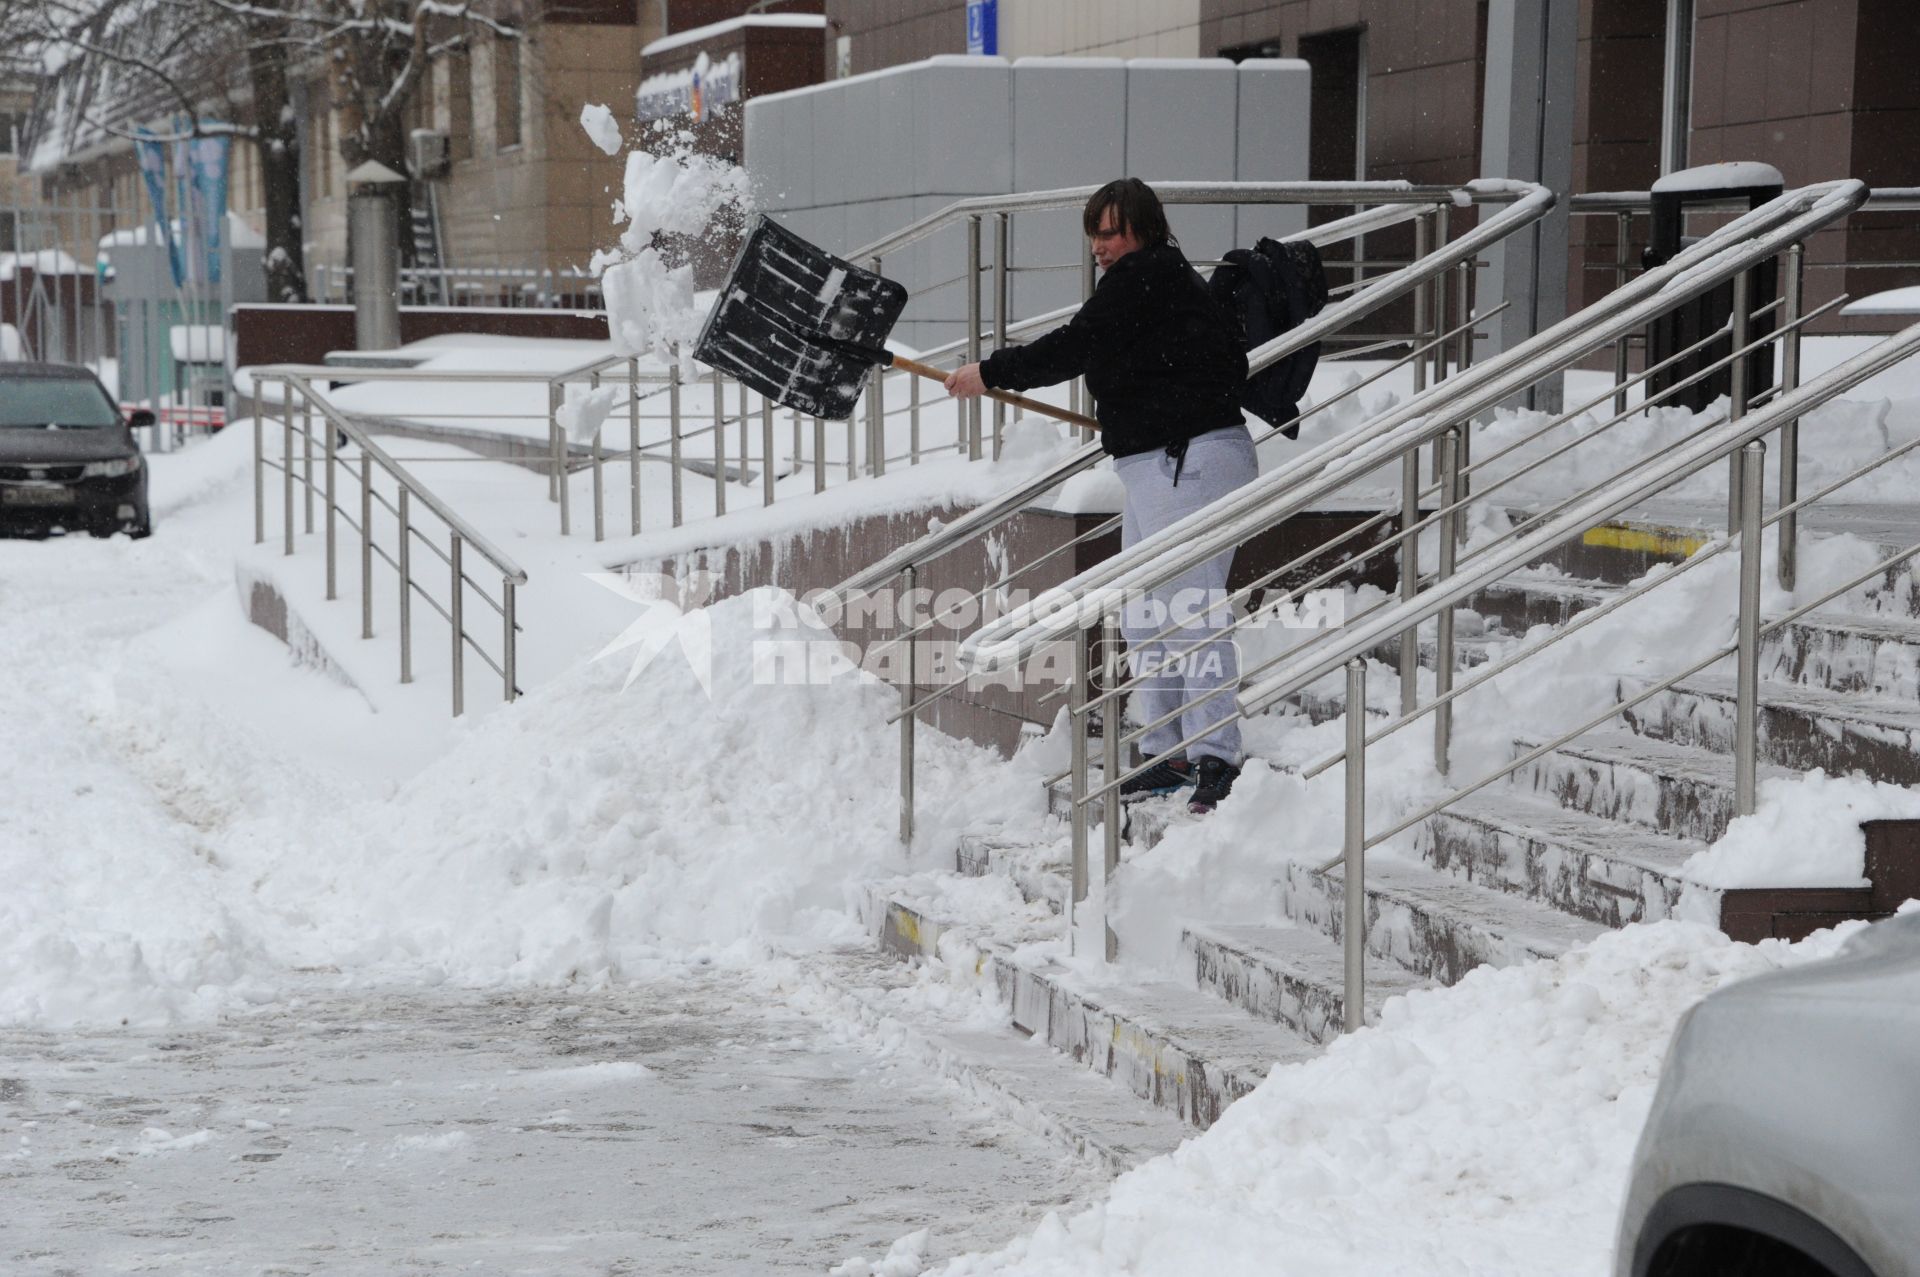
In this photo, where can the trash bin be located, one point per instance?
(1672, 196)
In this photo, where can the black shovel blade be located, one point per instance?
(790, 319)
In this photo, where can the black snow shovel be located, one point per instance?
(804, 328)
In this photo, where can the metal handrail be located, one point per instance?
(1529, 203)
(1397, 433)
(335, 425)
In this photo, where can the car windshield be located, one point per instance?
(40, 402)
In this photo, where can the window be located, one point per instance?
(11, 127)
(506, 92)
(460, 104)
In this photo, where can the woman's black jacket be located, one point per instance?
(1161, 359)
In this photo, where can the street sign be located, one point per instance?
(983, 26)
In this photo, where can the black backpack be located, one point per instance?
(1270, 289)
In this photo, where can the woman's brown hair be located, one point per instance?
(1135, 208)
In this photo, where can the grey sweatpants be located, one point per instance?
(1217, 463)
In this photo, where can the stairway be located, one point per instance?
(1587, 837)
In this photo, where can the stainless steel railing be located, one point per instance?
(300, 403)
(1442, 415)
(1435, 347)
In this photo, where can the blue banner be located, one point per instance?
(153, 169)
(207, 169)
(983, 26)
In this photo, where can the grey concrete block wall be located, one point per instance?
(1072, 114)
(847, 162)
(1271, 141)
(1181, 119)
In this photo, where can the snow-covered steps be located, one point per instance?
(1519, 602)
(1038, 870)
(1432, 923)
(1606, 871)
(1142, 822)
(1168, 1043)
(1288, 975)
(1656, 784)
(1844, 652)
(1042, 1090)
(1800, 727)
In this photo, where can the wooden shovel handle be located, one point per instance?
(1019, 401)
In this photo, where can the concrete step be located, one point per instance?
(1044, 1091)
(1604, 871)
(1143, 822)
(1679, 790)
(1519, 602)
(1844, 652)
(1287, 975)
(1169, 1044)
(1800, 727)
(1435, 924)
(1040, 872)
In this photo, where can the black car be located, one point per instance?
(68, 461)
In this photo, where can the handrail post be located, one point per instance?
(766, 451)
(1111, 730)
(633, 444)
(973, 330)
(877, 411)
(1623, 233)
(405, 560)
(1422, 244)
(259, 469)
(286, 464)
(306, 451)
(673, 440)
(853, 450)
(746, 444)
(1449, 446)
(366, 542)
(1354, 889)
(1001, 239)
(599, 480)
(819, 454)
(1409, 577)
(1752, 460)
(907, 577)
(1077, 723)
(554, 392)
(456, 611)
(1790, 429)
(1439, 286)
(913, 421)
(719, 446)
(1737, 396)
(509, 640)
(332, 533)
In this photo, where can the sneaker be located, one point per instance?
(1163, 777)
(1216, 778)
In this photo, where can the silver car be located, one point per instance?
(1785, 1136)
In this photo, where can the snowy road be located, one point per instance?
(698, 1119)
(691, 1127)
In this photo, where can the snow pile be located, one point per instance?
(1805, 832)
(586, 833)
(584, 410)
(650, 307)
(600, 125)
(1484, 1129)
